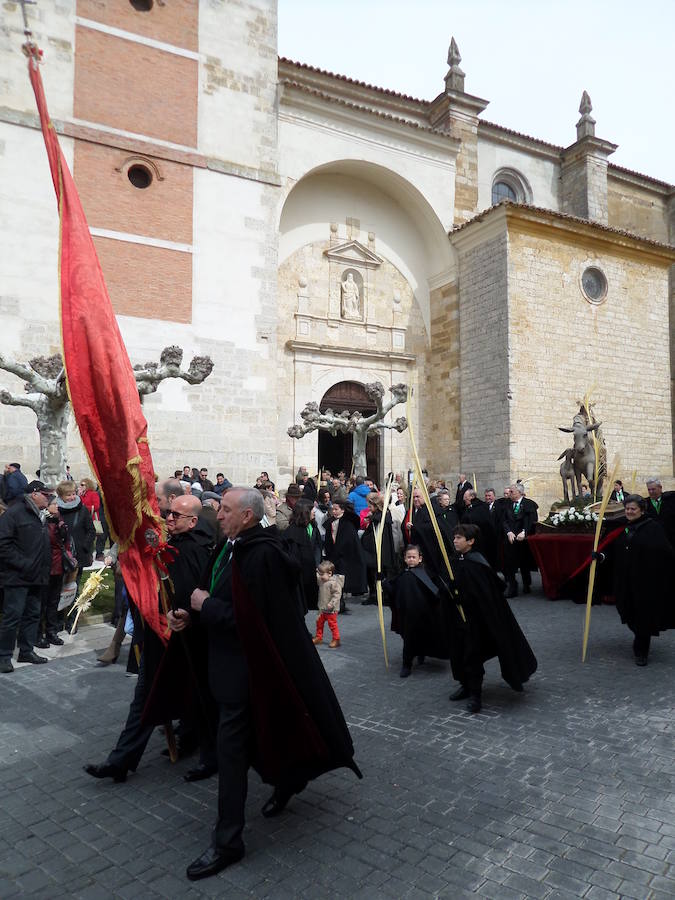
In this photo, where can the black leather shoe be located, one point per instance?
(460, 694)
(200, 772)
(474, 704)
(640, 660)
(211, 862)
(55, 640)
(405, 672)
(6, 666)
(42, 644)
(31, 657)
(277, 803)
(105, 770)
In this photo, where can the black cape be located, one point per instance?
(419, 613)
(644, 568)
(178, 672)
(369, 548)
(490, 625)
(423, 534)
(479, 514)
(346, 553)
(307, 552)
(299, 729)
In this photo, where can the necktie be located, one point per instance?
(221, 562)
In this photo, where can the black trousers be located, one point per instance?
(233, 748)
(21, 613)
(135, 736)
(49, 619)
(641, 644)
(516, 557)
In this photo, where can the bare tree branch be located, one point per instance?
(32, 401)
(150, 375)
(27, 373)
(355, 423)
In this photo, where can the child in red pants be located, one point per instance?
(330, 591)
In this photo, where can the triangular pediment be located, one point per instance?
(355, 254)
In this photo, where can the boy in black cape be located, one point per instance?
(418, 611)
(277, 709)
(490, 629)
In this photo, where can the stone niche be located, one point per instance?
(379, 313)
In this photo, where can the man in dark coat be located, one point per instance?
(490, 628)
(422, 532)
(661, 506)
(463, 485)
(278, 711)
(644, 563)
(478, 513)
(13, 485)
(25, 561)
(185, 569)
(517, 525)
(419, 611)
(343, 548)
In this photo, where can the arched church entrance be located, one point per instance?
(335, 452)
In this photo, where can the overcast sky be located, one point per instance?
(530, 58)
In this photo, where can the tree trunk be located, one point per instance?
(359, 453)
(52, 424)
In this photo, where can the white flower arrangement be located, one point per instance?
(573, 516)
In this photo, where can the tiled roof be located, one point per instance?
(566, 217)
(371, 87)
(658, 181)
(520, 134)
(426, 103)
(360, 108)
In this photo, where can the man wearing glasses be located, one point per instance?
(25, 560)
(194, 547)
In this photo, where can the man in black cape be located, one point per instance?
(278, 711)
(185, 565)
(478, 513)
(423, 535)
(644, 562)
(490, 628)
(419, 611)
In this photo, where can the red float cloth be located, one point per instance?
(560, 557)
(101, 382)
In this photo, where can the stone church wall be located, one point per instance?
(561, 346)
(483, 356)
(637, 209)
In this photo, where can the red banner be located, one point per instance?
(101, 382)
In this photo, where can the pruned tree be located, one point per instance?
(356, 424)
(46, 395)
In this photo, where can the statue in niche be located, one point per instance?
(351, 308)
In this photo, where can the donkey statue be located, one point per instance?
(584, 451)
(567, 473)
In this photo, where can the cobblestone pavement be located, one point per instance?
(567, 790)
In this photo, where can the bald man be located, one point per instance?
(194, 545)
